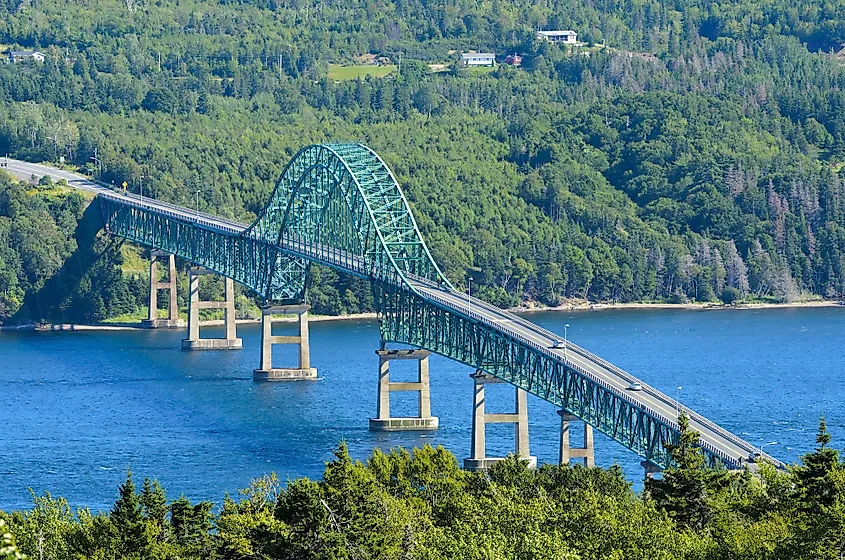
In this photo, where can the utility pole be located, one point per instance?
(98, 162)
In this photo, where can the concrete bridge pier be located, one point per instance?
(650, 469)
(424, 420)
(567, 452)
(194, 342)
(173, 321)
(267, 372)
(519, 418)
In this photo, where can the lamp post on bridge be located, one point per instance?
(565, 342)
(469, 294)
(678, 400)
(197, 192)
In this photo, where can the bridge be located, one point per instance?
(340, 206)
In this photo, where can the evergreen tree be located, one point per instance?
(682, 491)
(154, 501)
(817, 477)
(128, 521)
(191, 523)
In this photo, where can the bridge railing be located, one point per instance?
(175, 211)
(702, 420)
(727, 459)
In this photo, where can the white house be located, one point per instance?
(569, 37)
(478, 59)
(19, 56)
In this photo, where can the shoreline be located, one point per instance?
(588, 306)
(580, 306)
(73, 327)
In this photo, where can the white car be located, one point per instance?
(635, 386)
(558, 344)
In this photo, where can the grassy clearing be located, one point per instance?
(479, 70)
(134, 261)
(136, 317)
(337, 72)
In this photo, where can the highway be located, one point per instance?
(653, 402)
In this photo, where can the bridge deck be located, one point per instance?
(655, 403)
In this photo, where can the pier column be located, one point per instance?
(650, 469)
(424, 420)
(152, 321)
(194, 342)
(567, 452)
(480, 418)
(269, 373)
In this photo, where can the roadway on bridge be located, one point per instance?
(648, 399)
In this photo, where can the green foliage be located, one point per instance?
(420, 504)
(127, 521)
(683, 490)
(54, 265)
(160, 99)
(8, 550)
(692, 156)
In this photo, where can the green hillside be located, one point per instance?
(696, 157)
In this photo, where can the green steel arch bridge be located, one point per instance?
(340, 206)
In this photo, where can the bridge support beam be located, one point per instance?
(194, 342)
(267, 372)
(567, 452)
(152, 321)
(424, 420)
(650, 469)
(519, 418)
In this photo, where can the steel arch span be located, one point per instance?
(340, 206)
(344, 198)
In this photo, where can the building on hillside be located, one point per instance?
(20, 56)
(513, 60)
(478, 59)
(569, 37)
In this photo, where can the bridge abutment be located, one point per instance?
(267, 372)
(567, 452)
(152, 321)
(424, 420)
(480, 418)
(194, 342)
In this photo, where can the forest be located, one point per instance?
(687, 151)
(421, 505)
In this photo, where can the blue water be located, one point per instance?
(79, 408)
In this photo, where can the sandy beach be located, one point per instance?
(578, 305)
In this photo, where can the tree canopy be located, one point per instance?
(686, 151)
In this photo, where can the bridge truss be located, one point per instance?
(340, 206)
